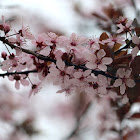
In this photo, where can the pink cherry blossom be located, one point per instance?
(124, 80)
(124, 28)
(76, 42)
(19, 40)
(19, 79)
(26, 33)
(97, 85)
(93, 44)
(61, 73)
(40, 42)
(35, 89)
(98, 61)
(80, 79)
(114, 39)
(12, 64)
(5, 26)
(52, 38)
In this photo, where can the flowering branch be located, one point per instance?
(46, 58)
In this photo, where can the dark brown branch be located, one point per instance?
(125, 47)
(42, 57)
(22, 72)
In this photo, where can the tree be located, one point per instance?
(99, 67)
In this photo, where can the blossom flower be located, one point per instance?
(5, 26)
(80, 79)
(52, 38)
(124, 28)
(136, 41)
(35, 89)
(98, 61)
(19, 40)
(124, 80)
(76, 42)
(19, 79)
(61, 73)
(93, 44)
(12, 64)
(114, 39)
(26, 33)
(40, 42)
(97, 85)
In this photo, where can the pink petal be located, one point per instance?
(117, 82)
(121, 72)
(91, 65)
(102, 67)
(17, 85)
(77, 75)
(130, 83)
(60, 64)
(24, 82)
(102, 90)
(134, 51)
(128, 73)
(86, 73)
(73, 36)
(69, 70)
(107, 60)
(101, 54)
(135, 40)
(122, 88)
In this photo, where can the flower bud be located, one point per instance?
(3, 55)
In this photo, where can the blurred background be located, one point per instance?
(49, 115)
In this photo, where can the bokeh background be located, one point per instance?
(49, 115)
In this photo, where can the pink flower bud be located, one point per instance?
(3, 55)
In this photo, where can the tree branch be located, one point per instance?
(22, 72)
(125, 47)
(46, 58)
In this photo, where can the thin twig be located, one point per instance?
(125, 47)
(14, 73)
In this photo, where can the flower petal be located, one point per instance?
(130, 83)
(117, 82)
(101, 53)
(122, 88)
(60, 64)
(102, 67)
(107, 60)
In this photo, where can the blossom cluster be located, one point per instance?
(88, 65)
